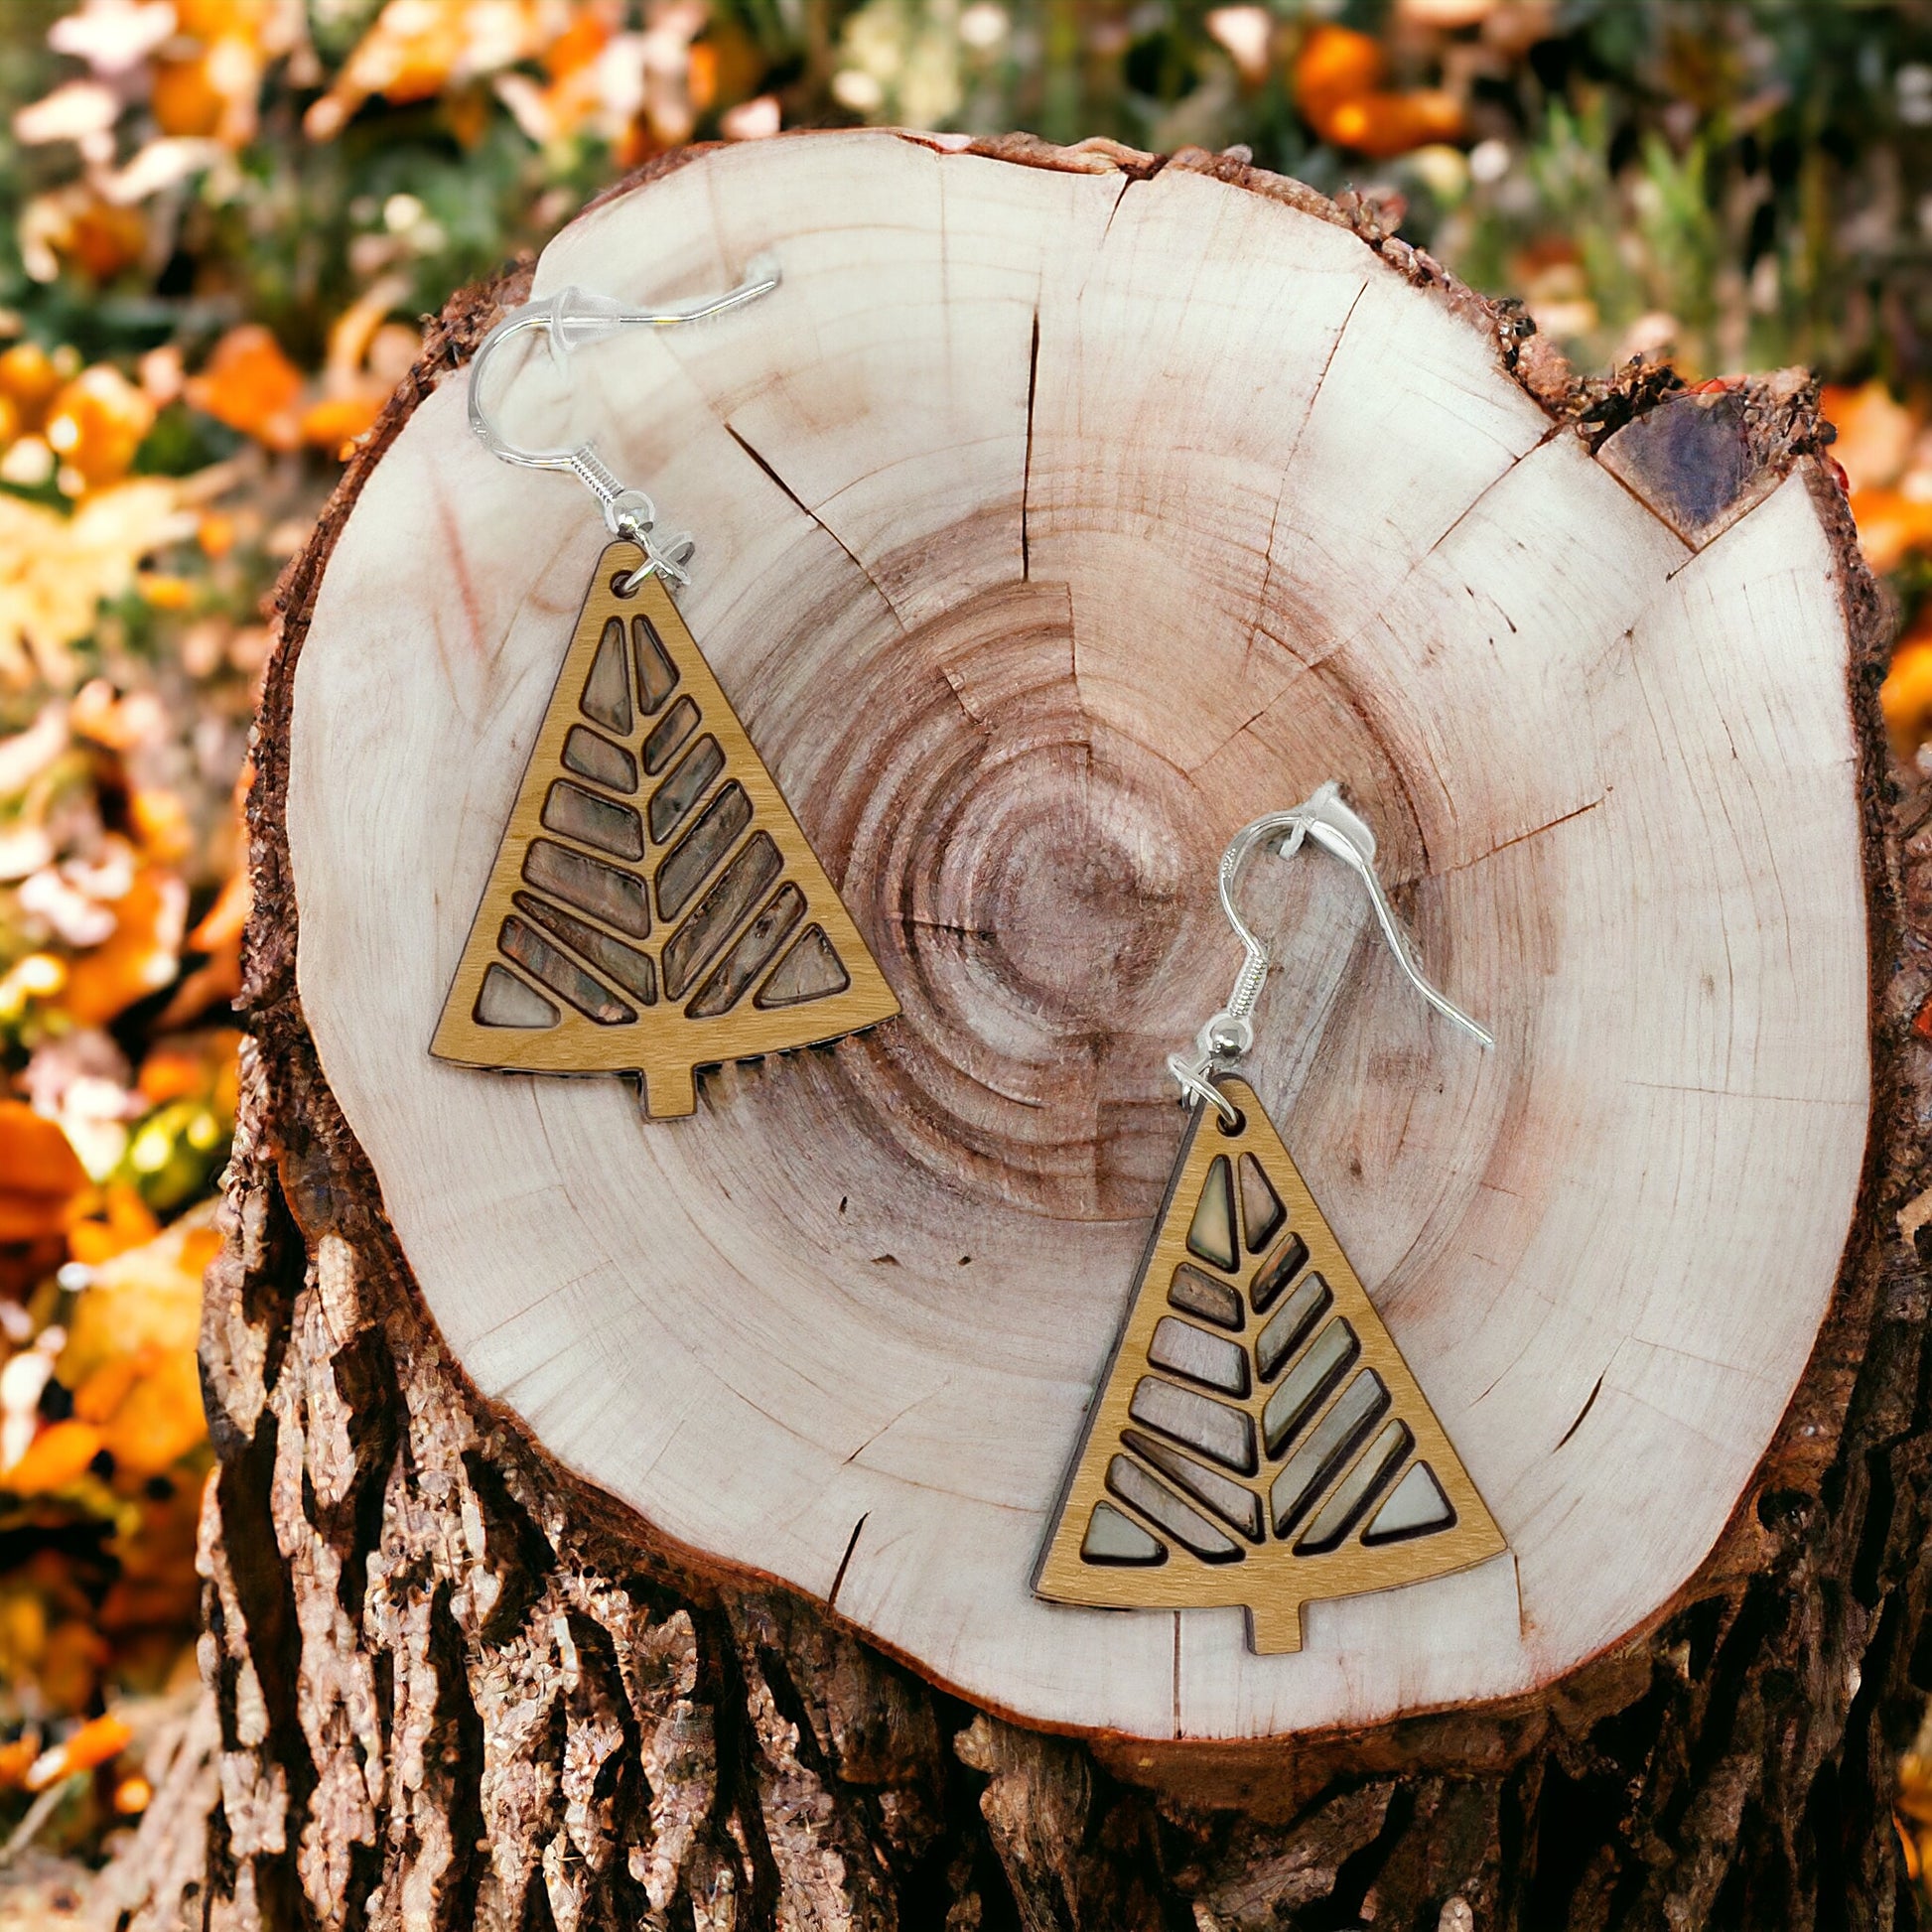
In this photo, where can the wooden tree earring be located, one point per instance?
(653, 907)
(1257, 1438)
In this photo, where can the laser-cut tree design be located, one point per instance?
(653, 907)
(1258, 1438)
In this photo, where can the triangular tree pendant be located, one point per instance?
(654, 906)
(1258, 1438)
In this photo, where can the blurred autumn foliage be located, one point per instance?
(220, 225)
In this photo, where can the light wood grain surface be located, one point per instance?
(1051, 526)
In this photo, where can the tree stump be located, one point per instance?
(630, 1523)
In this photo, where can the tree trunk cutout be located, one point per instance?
(1258, 1438)
(654, 908)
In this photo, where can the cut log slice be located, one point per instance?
(1053, 521)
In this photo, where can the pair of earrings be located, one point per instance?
(654, 908)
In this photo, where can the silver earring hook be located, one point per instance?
(572, 320)
(1324, 819)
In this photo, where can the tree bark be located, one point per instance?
(458, 1685)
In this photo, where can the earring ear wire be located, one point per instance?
(1325, 820)
(571, 320)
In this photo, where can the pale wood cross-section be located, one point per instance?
(1053, 522)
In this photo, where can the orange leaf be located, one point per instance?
(17, 1759)
(29, 378)
(173, 1071)
(118, 723)
(138, 957)
(250, 385)
(166, 592)
(161, 822)
(207, 84)
(339, 421)
(185, 100)
(198, 1247)
(35, 1154)
(150, 1294)
(1905, 696)
(160, 1419)
(103, 1391)
(1336, 63)
(215, 982)
(57, 1457)
(1891, 526)
(1339, 76)
(578, 45)
(226, 1097)
(129, 1223)
(222, 923)
(93, 1744)
(30, 1218)
(96, 424)
(145, 1303)
(103, 238)
(40, 1175)
(1384, 125)
(209, 20)
(1875, 433)
(409, 53)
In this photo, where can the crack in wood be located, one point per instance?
(1596, 1389)
(1026, 476)
(806, 511)
(844, 1562)
(1503, 844)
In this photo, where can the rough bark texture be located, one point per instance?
(455, 1689)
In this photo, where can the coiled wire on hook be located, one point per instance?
(570, 319)
(1324, 818)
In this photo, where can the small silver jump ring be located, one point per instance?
(1191, 1076)
(671, 560)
